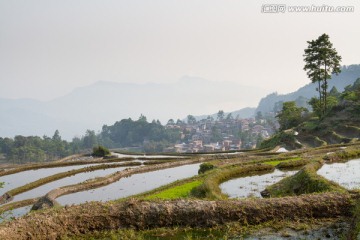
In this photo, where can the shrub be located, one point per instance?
(204, 167)
(100, 151)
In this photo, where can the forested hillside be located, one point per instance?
(302, 129)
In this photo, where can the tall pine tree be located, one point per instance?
(321, 60)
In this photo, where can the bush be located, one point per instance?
(282, 138)
(204, 167)
(100, 151)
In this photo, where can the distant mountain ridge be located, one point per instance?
(347, 76)
(103, 102)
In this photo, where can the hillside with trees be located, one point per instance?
(335, 116)
(346, 77)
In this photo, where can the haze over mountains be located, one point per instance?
(104, 102)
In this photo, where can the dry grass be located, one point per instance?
(95, 216)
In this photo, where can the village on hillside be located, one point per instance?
(223, 134)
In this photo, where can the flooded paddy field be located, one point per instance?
(345, 174)
(21, 178)
(335, 205)
(17, 212)
(78, 178)
(251, 186)
(132, 185)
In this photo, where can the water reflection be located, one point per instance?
(251, 186)
(78, 178)
(21, 178)
(17, 212)
(134, 184)
(345, 174)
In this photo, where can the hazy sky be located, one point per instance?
(48, 47)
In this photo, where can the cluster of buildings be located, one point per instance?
(210, 135)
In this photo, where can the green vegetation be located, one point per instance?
(339, 125)
(292, 164)
(276, 162)
(321, 60)
(304, 182)
(342, 155)
(204, 167)
(181, 191)
(280, 138)
(127, 132)
(36, 149)
(273, 163)
(100, 151)
(291, 115)
(286, 163)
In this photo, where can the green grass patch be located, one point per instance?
(181, 191)
(273, 163)
(293, 164)
(288, 161)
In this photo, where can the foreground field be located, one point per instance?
(304, 205)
